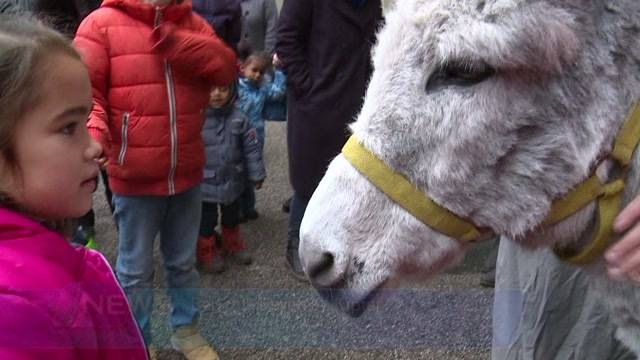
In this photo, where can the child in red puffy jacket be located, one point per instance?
(152, 63)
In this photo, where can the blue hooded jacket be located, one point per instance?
(251, 99)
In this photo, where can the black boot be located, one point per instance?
(298, 206)
(294, 265)
(286, 205)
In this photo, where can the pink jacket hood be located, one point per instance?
(60, 302)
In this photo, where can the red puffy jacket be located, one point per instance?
(151, 70)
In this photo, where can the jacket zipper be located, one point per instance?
(172, 114)
(123, 137)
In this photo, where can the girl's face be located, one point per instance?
(219, 96)
(253, 71)
(56, 157)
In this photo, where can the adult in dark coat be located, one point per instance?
(325, 49)
(224, 16)
(65, 15)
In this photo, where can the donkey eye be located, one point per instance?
(468, 72)
(459, 74)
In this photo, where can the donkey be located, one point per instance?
(494, 109)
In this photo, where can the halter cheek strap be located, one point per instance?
(608, 196)
(417, 203)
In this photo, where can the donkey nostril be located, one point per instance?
(323, 264)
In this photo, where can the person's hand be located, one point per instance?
(102, 162)
(163, 38)
(276, 60)
(258, 184)
(623, 258)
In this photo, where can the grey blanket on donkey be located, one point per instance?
(544, 309)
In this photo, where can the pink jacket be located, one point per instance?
(58, 301)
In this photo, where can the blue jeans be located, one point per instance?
(177, 219)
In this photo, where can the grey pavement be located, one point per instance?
(261, 312)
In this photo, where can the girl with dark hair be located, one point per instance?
(58, 301)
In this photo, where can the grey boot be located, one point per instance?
(294, 265)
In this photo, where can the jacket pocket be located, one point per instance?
(209, 173)
(123, 138)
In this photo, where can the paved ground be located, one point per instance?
(260, 312)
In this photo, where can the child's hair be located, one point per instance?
(260, 59)
(246, 55)
(233, 94)
(25, 46)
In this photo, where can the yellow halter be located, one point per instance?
(416, 202)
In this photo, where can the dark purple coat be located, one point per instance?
(325, 48)
(64, 15)
(224, 16)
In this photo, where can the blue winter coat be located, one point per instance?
(251, 99)
(233, 155)
(276, 110)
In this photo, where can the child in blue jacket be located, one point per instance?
(253, 93)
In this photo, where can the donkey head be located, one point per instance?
(494, 108)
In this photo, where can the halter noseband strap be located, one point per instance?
(408, 196)
(417, 203)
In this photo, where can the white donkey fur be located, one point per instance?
(497, 152)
